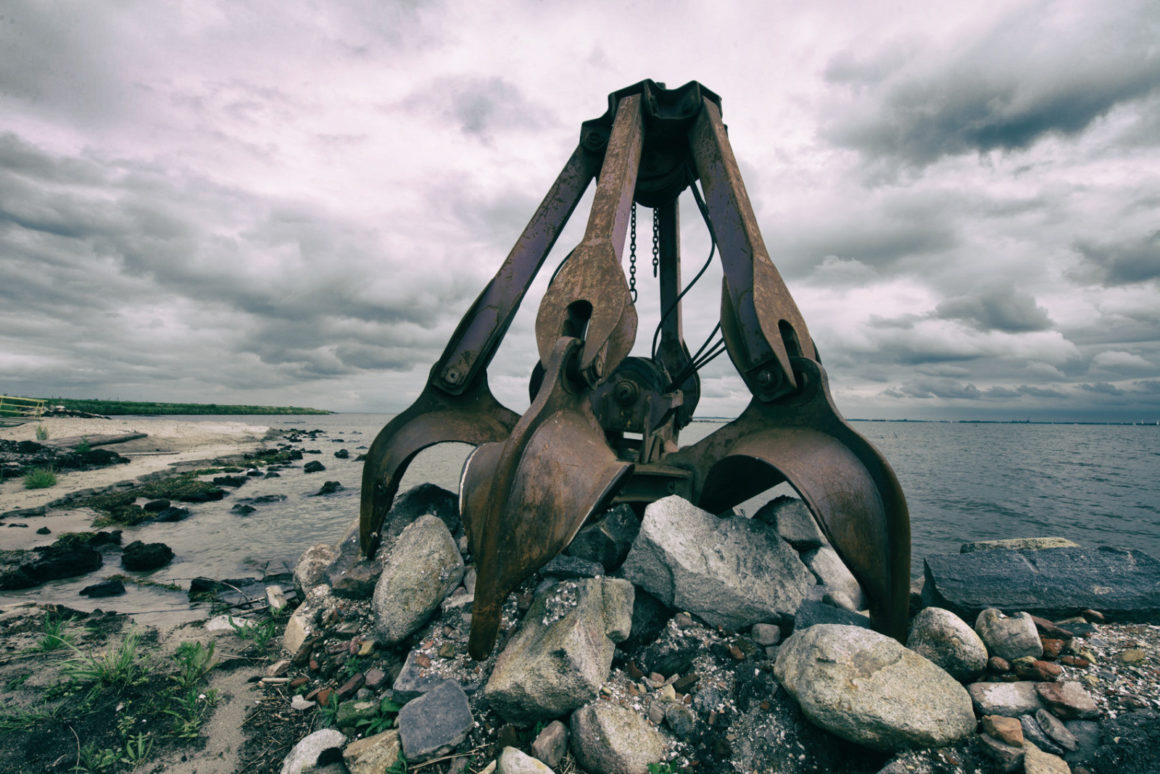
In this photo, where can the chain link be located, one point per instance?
(656, 241)
(632, 255)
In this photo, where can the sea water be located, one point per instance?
(1094, 484)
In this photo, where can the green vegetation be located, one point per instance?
(41, 433)
(41, 478)
(124, 706)
(111, 407)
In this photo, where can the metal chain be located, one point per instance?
(656, 241)
(632, 255)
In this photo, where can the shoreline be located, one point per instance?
(167, 444)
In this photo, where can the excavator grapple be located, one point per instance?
(603, 426)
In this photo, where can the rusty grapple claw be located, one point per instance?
(603, 426)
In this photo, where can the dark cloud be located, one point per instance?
(1123, 262)
(999, 309)
(478, 106)
(1102, 388)
(1005, 92)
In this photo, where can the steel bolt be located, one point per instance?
(452, 377)
(626, 392)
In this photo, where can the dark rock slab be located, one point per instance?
(435, 723)
(50, 563)
(607, 540)
(1053, 583)
(146, 556)
(109, 588)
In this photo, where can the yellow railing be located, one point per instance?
(20, 407)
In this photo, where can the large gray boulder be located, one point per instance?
(435, 723)
(1008, 636)
(421, 568)
(563, 651)
(869, 689)
(610, 739)
(949, 642)
(731, 572)
(1052, 583)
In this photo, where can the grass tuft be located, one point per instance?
(41, 478)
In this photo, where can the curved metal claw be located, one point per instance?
(842, 478)
(523, 500)
(474, 417)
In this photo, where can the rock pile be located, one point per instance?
(679, 641)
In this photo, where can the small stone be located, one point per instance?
(1050, 630)
(1009, 637)
(374, 678)
(1094, 616)
(1075, 661)
(300, 704)
(681, 720)
(513, 761)
(1039, 671)
(1067, 700)
(1036, 761)
(350, 686)
(278, 668)
(551, 744)
(447, 650)
(1006, 729)
(1008, 699)
(366, 648)
(765, 634)
(998, 665)
(1132, 656)
(351, 712)
(373, 755)
(1052, 648)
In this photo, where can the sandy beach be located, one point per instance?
(167, 442)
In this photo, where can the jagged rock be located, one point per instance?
(832, 573)
(565, 567)
(373, 755)
(1007, 699)
(301, 629)
(812, 612)
(793, 522)
(649, 616)
(731, 572)
(1036, 761)
(610, 739)
(1008, 637)
(869, 689)
(1056, 730)
(562, 653)
(512, 761)
(608, 540)
(551, 744)
(109, 588)
(311, 566)
(420, 569)
(349, 573)
(1017, 544)
(1067, 700)
(1053, 582)
(435, 723)
(1009, 757)
(1034, 734)
(419, 501)
(949, 642)
(320, 748)
(412, 681)
(146, 556)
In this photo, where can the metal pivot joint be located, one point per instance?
(604, 427)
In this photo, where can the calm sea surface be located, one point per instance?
(1094, 484)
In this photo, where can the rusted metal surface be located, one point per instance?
(605, 427)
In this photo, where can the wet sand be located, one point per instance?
(167, 443)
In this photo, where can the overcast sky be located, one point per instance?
(293, 203)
